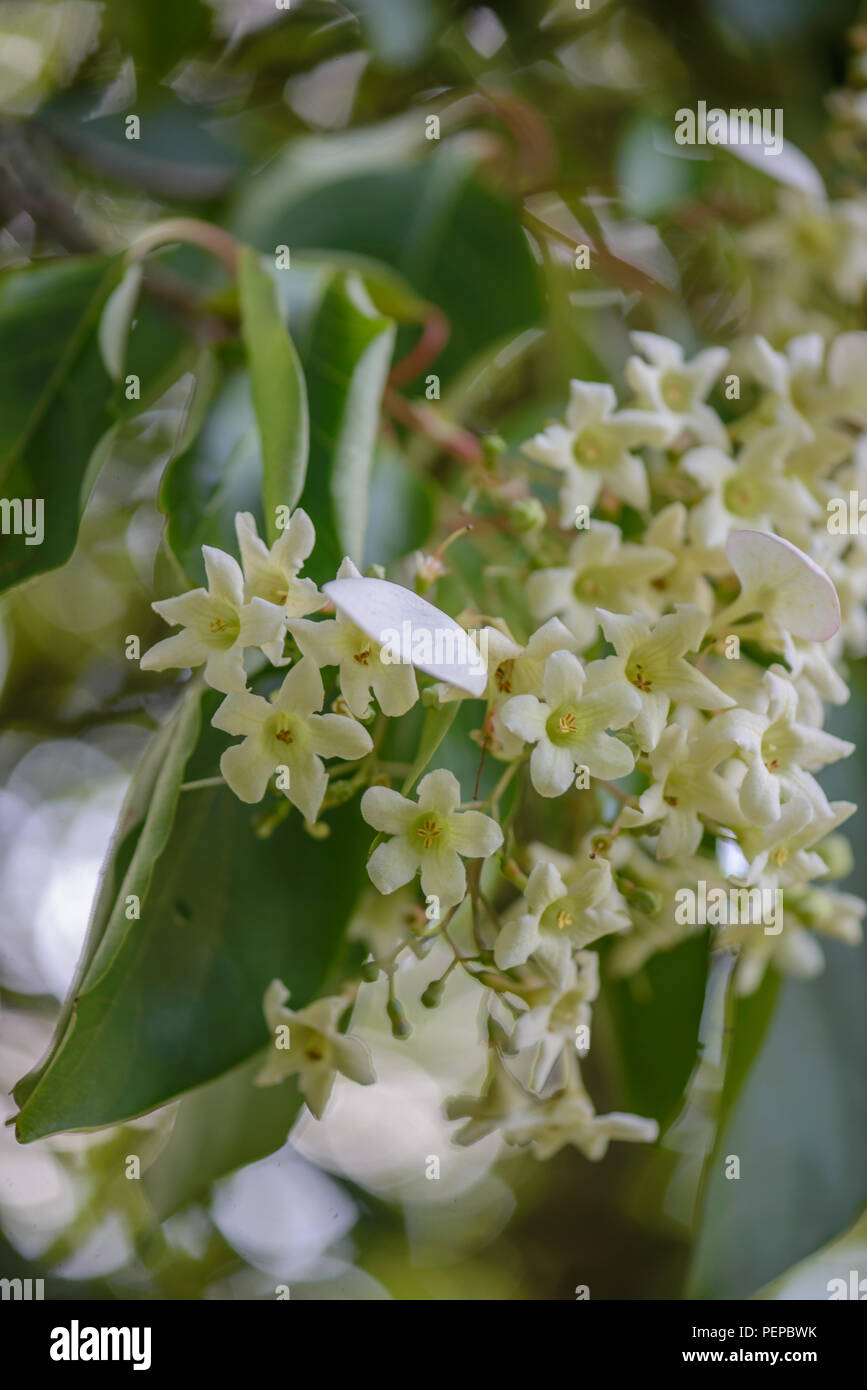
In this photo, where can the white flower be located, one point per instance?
(685, 791)
(287, 731)
(782, 853)
(432, 835)
(752, 491)
(651, 658)
(273, 574)
(603, 571)
(557, 915)
(306, 1043)
(568, 724)
(593, 448)
(513, 670)
(568, 1117)
(675, 389)
(338, 642)
(780, 751)
(687, 580)
(217, 626)
(556, 1010)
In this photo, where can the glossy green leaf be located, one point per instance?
(218, 475)
(54, 400)
(457, 243)
(279, 393)
(116, 320)
(401, 512)
(346, 364)
(173, 1000)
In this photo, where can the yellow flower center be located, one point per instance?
(639, 679)
(362, 657)
(564, 919)
(429, 831)
(503, 677)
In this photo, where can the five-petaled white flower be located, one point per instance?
(568, 724)
(781, 753)
(651, 658)
(273, 574)
(288, 732)
(676, 389)
(338, 642)
(686, 791)
(556, 915)
(604, 571)
(218, 625)
(306, 1043)
(593, 448)
(431, 834)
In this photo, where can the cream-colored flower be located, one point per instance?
(603, 571)
(217, 626)
(568, 724)
(676, 390)
(651, 657)
(287, 732)
(752, 491)
(594, 448)
(686, 792)
(431, 835)
(781, 753)
(306, 1043)
(559, 914)
(273, 574)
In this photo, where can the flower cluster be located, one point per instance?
(673, 640)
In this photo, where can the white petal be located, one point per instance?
(336, 736)
(387, 810)
(802, 596)
(308, 784)
(247, 767)
(551, 769)
(393, 863)
(225, 580)
(563, 680)
(439, 791)
(474, 835)
(224, 670)
(525, 716)
(443, 875)
(241, 713)
(182, 649)
(301, 691)
(380, 608)
(516, 942)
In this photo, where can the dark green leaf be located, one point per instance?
(174, 1000)
(54, 399)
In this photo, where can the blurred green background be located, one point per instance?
(307, 128)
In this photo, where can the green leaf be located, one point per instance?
(174, 1000)
(437, 722)
(458, 244)
(401, 512)
(54, 400)
(655, 1018)
(220, 1127)
(279, 394)
(219, 475)
(347, 363)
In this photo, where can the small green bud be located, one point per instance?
(527, 515)
(400, 1025)
(370, 972)
(837, 854)
(433, 994)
